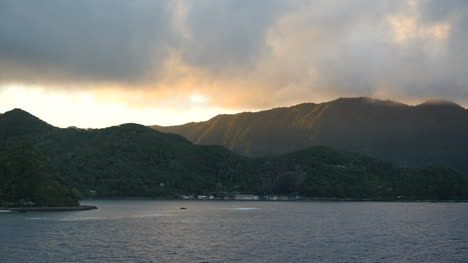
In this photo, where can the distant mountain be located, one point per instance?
(135, 160)
(432, 133)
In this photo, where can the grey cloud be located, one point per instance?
(111, 40)
(357, 59)
(128, 41)
(436, 10)
(228, 33)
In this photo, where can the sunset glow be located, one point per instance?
(172, 62)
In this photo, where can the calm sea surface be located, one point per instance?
(229, 231)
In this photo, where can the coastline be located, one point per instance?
(263, 200)
(50, 209)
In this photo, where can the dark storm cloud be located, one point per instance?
(291, 50)
(81, 40)
(120, 40)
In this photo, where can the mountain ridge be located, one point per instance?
(136, 160)
(429, 133)
(368, 99)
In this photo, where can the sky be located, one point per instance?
(99, 63)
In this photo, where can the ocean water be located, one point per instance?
(230, 231)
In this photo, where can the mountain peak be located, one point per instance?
(20, 122)
(440, 103)
(18, 111)
(18, 114)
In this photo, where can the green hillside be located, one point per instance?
(433, 133)
(26, 175)
(135, 160)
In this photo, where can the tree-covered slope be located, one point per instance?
(26, 175)
(327, 172)
(132, 159)
(432, 133)
(135, 160)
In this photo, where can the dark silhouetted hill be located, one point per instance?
(21, 124)
(26, 175)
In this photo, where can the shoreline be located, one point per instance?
(110, 198)
(50, 209)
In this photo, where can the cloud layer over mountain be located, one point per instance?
(238, 54)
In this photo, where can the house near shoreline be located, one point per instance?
(237, 196)
(246, 197)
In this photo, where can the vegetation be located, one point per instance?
(324, 172)
(433, 133)
(134, 160)
(27, 176)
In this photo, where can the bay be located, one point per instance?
(239, 231)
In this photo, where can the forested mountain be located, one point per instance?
(135, 160)
(432, 133)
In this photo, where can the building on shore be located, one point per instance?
(246, 197)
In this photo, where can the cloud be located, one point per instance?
(82, 41)
(238, 54)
